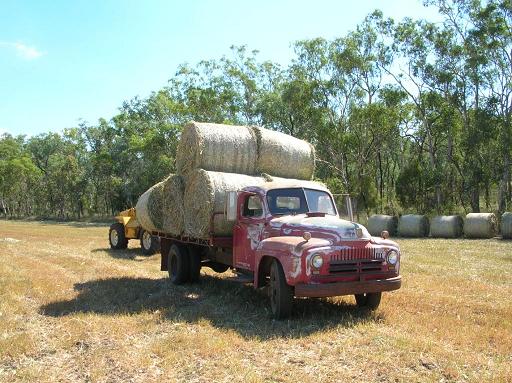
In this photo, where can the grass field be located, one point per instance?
(72, 310)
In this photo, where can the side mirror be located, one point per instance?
(231, 201)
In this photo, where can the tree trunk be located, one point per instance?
(502, 192)
(475, 198)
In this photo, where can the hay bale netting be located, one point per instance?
(413, 225)
(205, 194)
(480, 225)
(285, 156)
(506, 225)
(217, 147)
(379, 222)
(160, 208)
(446, 226)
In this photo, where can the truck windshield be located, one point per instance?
(299, 201)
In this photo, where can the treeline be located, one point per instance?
(405, 116)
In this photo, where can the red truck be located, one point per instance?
(290, 242)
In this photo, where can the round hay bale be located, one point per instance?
(480, 225)
(379, 222)
(506, 225)
(149, 208)
(446, 226)
(174, 189)
(282, 155)
(412, 225)
(217, 147)
(160, 208)
(205, 194)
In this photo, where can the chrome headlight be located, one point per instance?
(317, 261)
(392, 257)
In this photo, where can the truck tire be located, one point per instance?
(368, 301)
(178, 264)
(148, 243)
(116, 236)
(281, 294)
(194, 257)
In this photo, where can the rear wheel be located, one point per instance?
(116, 236)
(178, 264)
(368, 301)
(281, 294)
(195, 264)
(148, 243)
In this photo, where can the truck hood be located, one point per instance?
(326, 227)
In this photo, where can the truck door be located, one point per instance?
(248, 230)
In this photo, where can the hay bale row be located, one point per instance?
(446, 226)
(160, 208)
(506, 225)
(412, 225)
(480, 225)
(377, 223)
(243, 150)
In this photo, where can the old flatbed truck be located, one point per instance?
(290, 242)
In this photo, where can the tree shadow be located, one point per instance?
(130, 253)
(225, 304)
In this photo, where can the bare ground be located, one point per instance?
(73, 310)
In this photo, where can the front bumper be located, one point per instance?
(322, 290)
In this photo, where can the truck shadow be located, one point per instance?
(130, 253)
(224, 304)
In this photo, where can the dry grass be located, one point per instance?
(72, 310)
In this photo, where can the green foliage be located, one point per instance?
(404, 116)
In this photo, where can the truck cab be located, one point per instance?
(290, 239)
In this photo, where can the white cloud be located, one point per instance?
(25, 51)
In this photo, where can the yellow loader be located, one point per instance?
(127, 227)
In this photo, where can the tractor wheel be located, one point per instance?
(116, 236)
(368, 301)
(148, 243)
(281, 294)
(179, 267)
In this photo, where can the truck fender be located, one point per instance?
(289, 252)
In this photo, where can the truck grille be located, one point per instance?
(356, 267)
(356, 260)
(353, 254)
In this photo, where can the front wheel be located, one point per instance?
(148, 243)
(116, 236)
(281, 294)
(368, 301)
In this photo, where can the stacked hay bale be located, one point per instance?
(506, 225)
(377, 223)
(212, 159)
(160, 208)
(205, 195)
(412, 225)
(243, 150)
(480, 225)
(446, 226)
(284, 156)
(217, 147)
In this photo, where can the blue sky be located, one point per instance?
(61, 61)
